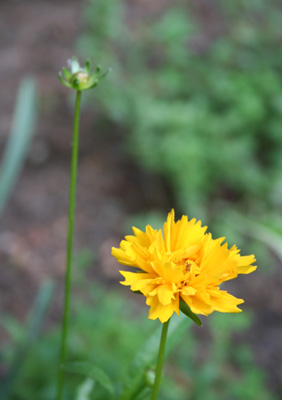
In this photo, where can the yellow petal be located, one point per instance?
(198, 305)
(133, 277)
(171, 273)
(225, 302)
(188, 291)
(160, 311)
(165, 294)
(167, 229)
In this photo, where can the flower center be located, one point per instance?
(190, 270)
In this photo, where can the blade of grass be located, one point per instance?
(22, 130)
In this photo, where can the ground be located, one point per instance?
(36, 39)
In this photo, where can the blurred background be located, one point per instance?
(190, 118)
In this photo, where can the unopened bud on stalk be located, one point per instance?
(78, 78)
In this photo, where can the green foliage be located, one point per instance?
(105, 334)
(111, 332)
(24, 338)
(206, 116)
(221, 368)
(91, 371)
(135, 378)
(100, 334)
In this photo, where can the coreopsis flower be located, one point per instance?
(180, 264)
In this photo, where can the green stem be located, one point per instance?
(160, 361)
(65, 321)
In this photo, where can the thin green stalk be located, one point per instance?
(65, 321)
(160, 362)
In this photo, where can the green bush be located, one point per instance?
(205, 113)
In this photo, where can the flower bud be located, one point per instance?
(80, 78)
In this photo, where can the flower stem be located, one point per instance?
(160, 361)
(65, 321)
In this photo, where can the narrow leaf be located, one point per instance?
(22, 130)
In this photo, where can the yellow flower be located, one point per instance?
(181, 263)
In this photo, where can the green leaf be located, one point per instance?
(90, 370)
(187, 311)
(22, 130)
(134, 381)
